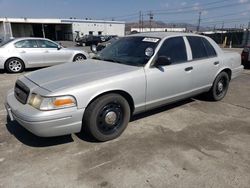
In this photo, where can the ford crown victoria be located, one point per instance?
(134, 74)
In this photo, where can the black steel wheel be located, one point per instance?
(220, 87)
(107, 117)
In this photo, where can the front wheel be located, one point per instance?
(79, 58)
(107, 117)
(220, 87)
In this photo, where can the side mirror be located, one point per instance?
(59, 47)
(163, 61)
(93, 49)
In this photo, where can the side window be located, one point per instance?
(175, 49)
(210, 49)
(46, 44)
(197, 47)
(26, 44)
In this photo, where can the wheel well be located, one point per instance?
(79, 54)
(228, 71)
(13, 58)
(124, 94)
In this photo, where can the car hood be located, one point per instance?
(72, 74)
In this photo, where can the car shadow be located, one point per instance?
(32, 140)
(160, 109)
(2, 71)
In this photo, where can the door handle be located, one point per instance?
(23, 52)
(216, 63)
(188, 69)
(46, 51)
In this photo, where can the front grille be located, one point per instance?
(21, 92)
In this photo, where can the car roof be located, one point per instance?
(30, 38)
(164, 34)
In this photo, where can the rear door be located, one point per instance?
(29, 52)
(171, 82)
(205, 63)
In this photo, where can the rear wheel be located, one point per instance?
(107, 117)
(79, 58)
(14, 65)
(220, 87)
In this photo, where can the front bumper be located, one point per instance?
(44, 123)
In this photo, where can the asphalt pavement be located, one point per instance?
(192, 143)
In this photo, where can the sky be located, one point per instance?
(214, 13)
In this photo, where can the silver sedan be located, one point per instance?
(132, 75)
(21, 53)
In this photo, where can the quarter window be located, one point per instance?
(175, 49)
(46, 44)
(26, 44)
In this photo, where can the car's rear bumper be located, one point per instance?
(237, 71)
(44, 123)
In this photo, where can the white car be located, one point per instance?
(134, 74)
(18, 54)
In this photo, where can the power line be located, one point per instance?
(207, 18)
(209, 8)
(172, 9)
(191, 7)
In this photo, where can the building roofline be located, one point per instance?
(56, 21)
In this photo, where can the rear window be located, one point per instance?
(197, 46)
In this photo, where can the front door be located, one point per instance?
(53, 55)
(171, 82)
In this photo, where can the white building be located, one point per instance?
(58, 29)
(164, 29)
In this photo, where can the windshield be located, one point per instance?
(129, 50)
(5, 42)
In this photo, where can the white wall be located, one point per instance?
(159, 29)
(105, 28)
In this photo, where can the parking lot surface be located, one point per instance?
(193, 143)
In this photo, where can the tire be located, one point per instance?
(220, 87)
(14, 65)
(79, 58)
(107, 117)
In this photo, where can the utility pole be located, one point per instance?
(222, 28)
(151, 17)
(199, 22)
(142, 23)
(139, 25)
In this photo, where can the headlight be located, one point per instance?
(51, 103)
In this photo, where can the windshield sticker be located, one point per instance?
(149, 52)
(154, 40)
